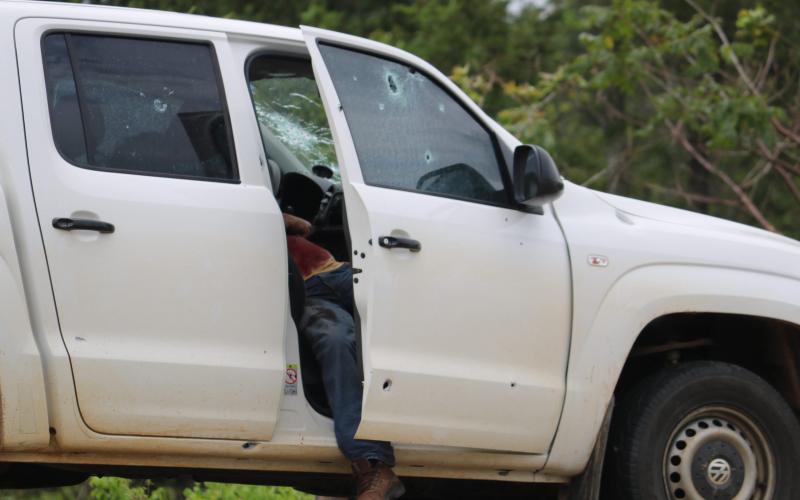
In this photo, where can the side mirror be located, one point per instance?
(536, 178)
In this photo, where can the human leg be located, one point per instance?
(334, 286)
(330, 331)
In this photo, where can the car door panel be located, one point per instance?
(175, 322)
(454, 329)
(464, 343)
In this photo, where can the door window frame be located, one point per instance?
(505, 174)
(236, 177)
(276, 54)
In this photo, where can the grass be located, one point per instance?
(115, 488)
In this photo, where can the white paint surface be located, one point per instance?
(174, 323)
(462, 330)
(183, 310)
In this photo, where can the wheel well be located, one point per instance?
(768, 347)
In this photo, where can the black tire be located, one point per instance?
(712, 419)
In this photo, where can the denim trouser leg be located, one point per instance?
(329, 328)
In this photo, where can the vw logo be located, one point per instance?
(719, 471)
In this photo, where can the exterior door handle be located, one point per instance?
(67, 224)
(397, 242)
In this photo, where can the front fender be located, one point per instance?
(633, 301)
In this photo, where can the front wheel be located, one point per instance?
(704, 430)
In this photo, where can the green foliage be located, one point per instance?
(692, 103)
(218, 491)
(670, 109)
(115, 488)
(43, 494)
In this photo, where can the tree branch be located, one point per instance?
(761, 77)
(790, 182)
(693, 197)
(774, 157)
(785, 131)
(744, 199)
(726, 43)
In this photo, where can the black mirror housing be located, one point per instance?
(537, 181)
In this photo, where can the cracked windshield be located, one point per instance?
(290, 114)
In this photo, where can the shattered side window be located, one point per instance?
(290, 114)
(143, 106)
(409, 133)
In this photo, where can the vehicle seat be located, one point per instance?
(311, 376)
(274, 174)
(297, 292)
(69, 137)
(313, 387)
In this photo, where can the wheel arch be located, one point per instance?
(633, 304)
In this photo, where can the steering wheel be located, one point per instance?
(330, 202)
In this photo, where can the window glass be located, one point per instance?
(409, 133)
(142, 106)
(290, 114)
(63, 99)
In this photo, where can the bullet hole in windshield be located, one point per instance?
(428, 156)
(159, 106)
(392, 83)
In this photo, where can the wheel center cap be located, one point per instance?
(719, 471)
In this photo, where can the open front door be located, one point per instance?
(464, 300)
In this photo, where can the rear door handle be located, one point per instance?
(398, 242)
(67, 224)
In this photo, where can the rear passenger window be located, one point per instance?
(139, 106)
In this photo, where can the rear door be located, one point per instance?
(464, 299)
(166, 251)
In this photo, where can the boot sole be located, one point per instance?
(396, 492)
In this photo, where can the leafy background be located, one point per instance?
(113, 488)
(690, 103)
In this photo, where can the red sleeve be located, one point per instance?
(308, 256)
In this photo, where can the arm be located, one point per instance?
(296, 226)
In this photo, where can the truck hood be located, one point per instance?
(669, 215)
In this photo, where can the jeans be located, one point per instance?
(329, 329)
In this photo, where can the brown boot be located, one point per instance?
(376, 481)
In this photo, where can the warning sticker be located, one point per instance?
(290, 380)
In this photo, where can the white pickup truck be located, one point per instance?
(509, 322)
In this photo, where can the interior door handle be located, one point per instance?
(67, 224)
(398, 242)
